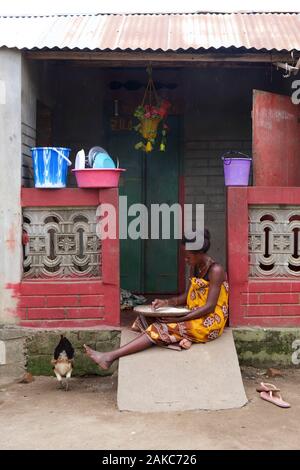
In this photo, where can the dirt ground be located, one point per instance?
(39, 416)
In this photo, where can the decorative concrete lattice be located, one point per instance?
(62, 243)
(274, 241)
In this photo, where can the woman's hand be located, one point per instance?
(157, 303)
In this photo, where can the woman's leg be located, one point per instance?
(141, 323)
(134, 326)
(104, 360)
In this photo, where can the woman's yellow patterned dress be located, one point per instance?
(199, 330)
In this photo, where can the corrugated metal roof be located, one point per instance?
(166, 32)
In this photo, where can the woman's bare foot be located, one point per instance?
(102, 359)
(185, 343)
(134, 327)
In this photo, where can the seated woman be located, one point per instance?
(206, 297)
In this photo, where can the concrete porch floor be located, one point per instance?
(39, 416)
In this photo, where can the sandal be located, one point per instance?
(274, 397)
(270, 392)
(265, 387)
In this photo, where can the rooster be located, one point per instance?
(63, 361)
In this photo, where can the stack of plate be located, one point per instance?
(99, 158)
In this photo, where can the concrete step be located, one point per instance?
(205, 377)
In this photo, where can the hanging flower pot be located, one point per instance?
(149, 127)
(150, 115)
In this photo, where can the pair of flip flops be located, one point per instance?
(271, 393)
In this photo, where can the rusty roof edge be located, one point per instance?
(237, 12)
(205, 51)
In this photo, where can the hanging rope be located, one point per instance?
(150, 88)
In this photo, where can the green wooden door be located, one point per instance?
(148, 266)
(162, 186)
(131, 259)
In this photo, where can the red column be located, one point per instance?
(237, 249)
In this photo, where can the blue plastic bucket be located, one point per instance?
(50, 165)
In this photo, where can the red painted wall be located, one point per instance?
(257, 302)
(72, 303)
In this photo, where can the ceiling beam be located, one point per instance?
(157, 58)
(173, 65)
